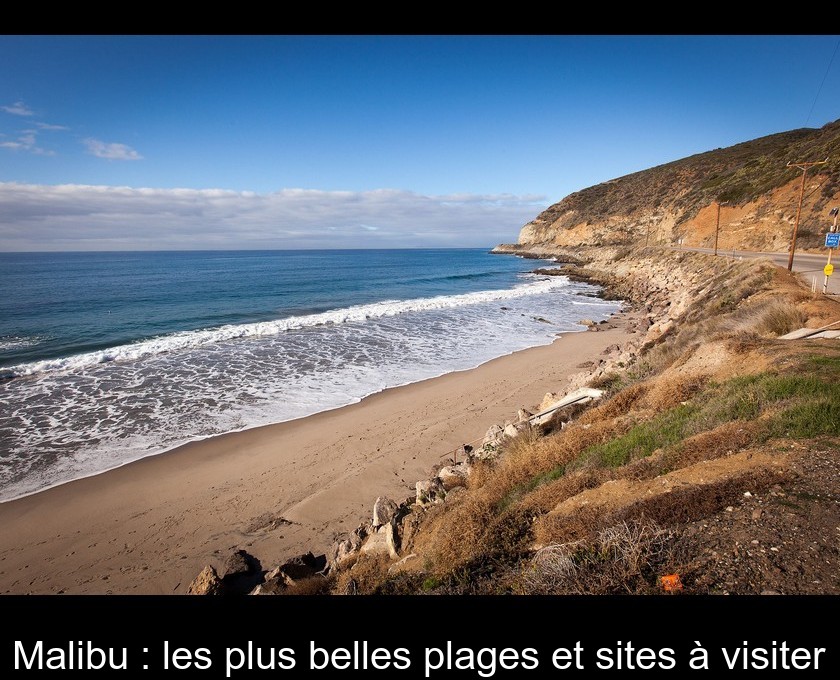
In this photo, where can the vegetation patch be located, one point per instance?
(627, 557)
(639, 442)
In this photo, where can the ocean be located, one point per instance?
(106, 358)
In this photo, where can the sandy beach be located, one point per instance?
(149, 527)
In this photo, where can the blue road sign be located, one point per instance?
(832, 240)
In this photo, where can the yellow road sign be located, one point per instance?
(828, 269)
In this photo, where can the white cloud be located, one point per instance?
(50, 126)
(114, 152)
(27, 141)
(82, 217)
(18, 109)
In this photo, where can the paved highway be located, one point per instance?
(805, 264)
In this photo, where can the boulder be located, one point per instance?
(383, 510)
(453, 475)
(510, 430)
(206, 583)
(549, 399)
(274, 584)
(409, 525)
(341, 551)
(377, 543)
(392, 539)
(238, 563)
(344, 549)
(523, 415)
(241, 573)
(494, 435)
(429, 491)
(296, 568)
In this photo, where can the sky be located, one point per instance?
(197, 142)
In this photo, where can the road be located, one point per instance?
(805, 264)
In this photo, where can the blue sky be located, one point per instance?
(395, 141)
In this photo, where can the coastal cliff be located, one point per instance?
(699, 453)
(678, 200)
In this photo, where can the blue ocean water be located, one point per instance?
(109, 357)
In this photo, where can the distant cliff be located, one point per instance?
(678, 200)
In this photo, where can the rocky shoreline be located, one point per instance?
(658, 290)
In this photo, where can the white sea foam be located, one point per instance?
(200, 338)
(8, 342)
(60, 424)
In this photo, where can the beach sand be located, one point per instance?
(276, 491)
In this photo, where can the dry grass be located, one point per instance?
(624, 558)
(617, 405)
(545, 497)
(523, 458)
(779, 318)
(315, 585)
(820, 311)
(364, 577)
(670, 390)
(683, 504)
(455, 533)
(723, 440)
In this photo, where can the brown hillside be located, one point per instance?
(678, 200)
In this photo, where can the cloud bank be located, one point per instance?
(37, 217)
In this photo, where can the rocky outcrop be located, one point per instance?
(376, 543)
(274, 584)
(298, 568)
(344, 550)
(383, 510)
(495, 434)
(206, 583)
(454, 475)
(429, 491)
(241, 573)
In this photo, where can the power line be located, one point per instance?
(830, 62)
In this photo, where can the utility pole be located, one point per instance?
(804, 165)
(828, 270)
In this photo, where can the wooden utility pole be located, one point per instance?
(804, 165)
